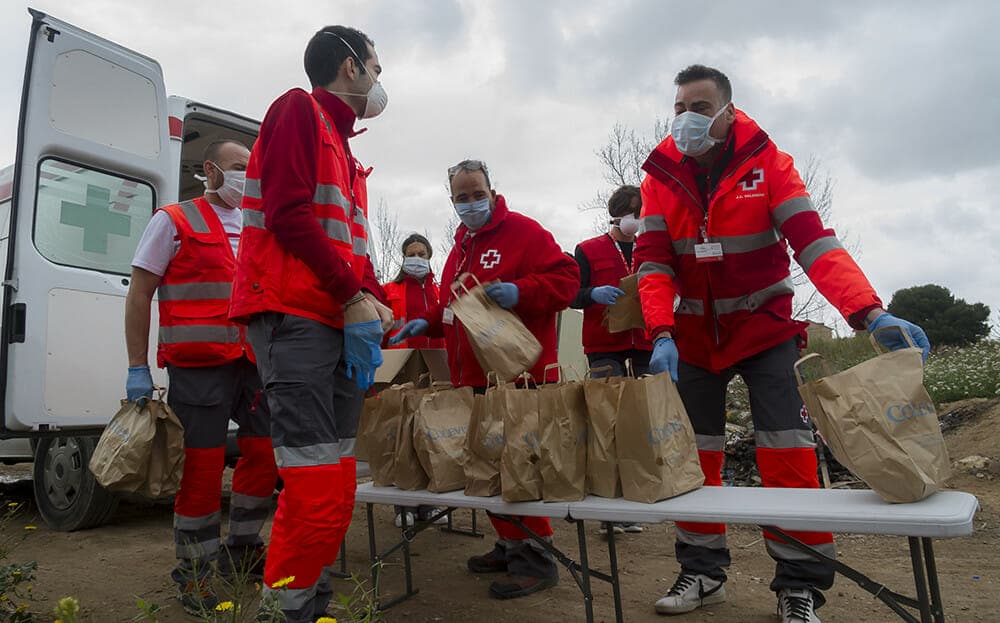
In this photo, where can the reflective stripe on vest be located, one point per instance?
(654, 268)
(194, 291)
(194, 217)
(788, 209)
(816, 249)
(216, 334)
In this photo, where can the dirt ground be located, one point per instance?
(106, 568)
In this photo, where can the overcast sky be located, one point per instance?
(897, 99)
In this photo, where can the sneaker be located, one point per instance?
(632, 528)
(617, 527)
(795, 605)
(514, 586)
(409, 519)
(426, 512)
(493, 561)
(241, 563)
(197, 597)
(691, 591)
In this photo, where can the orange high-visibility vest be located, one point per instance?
(269, 278)
(195, 330)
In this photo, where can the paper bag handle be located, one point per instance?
(591, 371)
(878, 346)
(545, 373)
(459, 283)
(797, 367)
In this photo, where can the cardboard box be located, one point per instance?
(403, 365)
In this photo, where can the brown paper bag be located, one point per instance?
(602, 396)
(562, 416)
(880, 423)
(484, 445)
(439, 428)
(378, 432)
(141, 451)
(499, 339)
(626, 313)
(166, 458)
(520, 478)
(408, 473)
(657, 451)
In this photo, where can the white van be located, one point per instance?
(99, 147)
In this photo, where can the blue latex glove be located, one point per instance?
(504, 293)
(893, 340)
(139, 384)
(664, 357)
(410, 329)
(362, 351)
(606, 295)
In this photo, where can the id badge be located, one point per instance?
(708, 252)
(448, 316)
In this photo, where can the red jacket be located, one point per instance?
(303, 249)
(607, 268)
(195, 330)
(737, 307)
(408, 299)
(516, 249)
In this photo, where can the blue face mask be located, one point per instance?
(474, 214)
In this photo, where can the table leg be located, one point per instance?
(919, 580)
(616, 587)
(588, 595)
(937, 606)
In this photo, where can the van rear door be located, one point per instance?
(93, 160)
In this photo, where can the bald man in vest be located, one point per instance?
(187, 256)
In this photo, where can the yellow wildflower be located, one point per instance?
(283, 582)
(326, 620)
(12, 504)
(224, 606)
(31, 527)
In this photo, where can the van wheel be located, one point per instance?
(66, 492)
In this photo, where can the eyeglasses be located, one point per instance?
(468, 165)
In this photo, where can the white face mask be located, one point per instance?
(416, 267)
(231, 190)
(376, 97)
(628, 225)
(690, 131)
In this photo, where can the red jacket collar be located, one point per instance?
(499, 214)
(343, 115)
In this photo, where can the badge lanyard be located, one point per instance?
(628, 265)
(707, 251)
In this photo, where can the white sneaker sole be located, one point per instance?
(715, 598)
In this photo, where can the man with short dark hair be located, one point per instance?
(721, 205)
(525, 271)
(187, 256)
(304, 286)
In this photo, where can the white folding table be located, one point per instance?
(944, 514)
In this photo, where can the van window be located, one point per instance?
(89, 219)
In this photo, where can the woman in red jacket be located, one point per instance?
(413, 292)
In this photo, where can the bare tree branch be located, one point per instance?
(384, 250)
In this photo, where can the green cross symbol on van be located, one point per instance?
(96, 219)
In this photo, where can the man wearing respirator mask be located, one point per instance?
(304, 286)
(188, 255)
(721, 205)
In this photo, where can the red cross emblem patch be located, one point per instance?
(752, 180)
(490, 259)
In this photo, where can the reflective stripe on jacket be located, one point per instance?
(269, 277)
(739, 306)
(195, 330)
